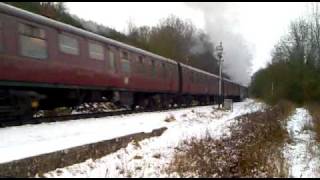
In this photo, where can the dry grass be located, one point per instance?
(136, 144)
(137, 157)
(157, 156)
(170, 118)
(253, 150)
(314, 110)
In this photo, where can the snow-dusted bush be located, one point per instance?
(254, 149)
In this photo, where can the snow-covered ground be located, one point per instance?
(149, 157)
(303, 152)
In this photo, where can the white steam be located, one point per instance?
(221, 25)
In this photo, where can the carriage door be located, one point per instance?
(125, 67)
(111, 63)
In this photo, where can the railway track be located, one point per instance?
(9, 122)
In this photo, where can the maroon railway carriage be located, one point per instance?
(199, 84)
(231, 90)
(205, 86)
(37, 52)
(46, 64)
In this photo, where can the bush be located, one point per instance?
(286, 81)
(253, 150)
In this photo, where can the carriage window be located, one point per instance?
(112, 61)
(141, 67)
(140, 59)
(1, 38)
(124, 56)
(196, 78)
(153, 68)
(171, 70)
(32, 42)
(96, 51)
(126, 66)
(68, 44)
(192, 77)
(164, 70)
(125, 62)
(168, 70)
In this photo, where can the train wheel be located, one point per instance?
(25, 108)
(143, 103)
(133, 107)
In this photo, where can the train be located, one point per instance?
(46, 64)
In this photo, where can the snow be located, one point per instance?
(302, 152)
(150, 156)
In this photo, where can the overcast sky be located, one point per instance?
(260, 25)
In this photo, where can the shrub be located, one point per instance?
(254, 149)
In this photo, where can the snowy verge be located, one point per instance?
(302, 152)
(149, 157)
